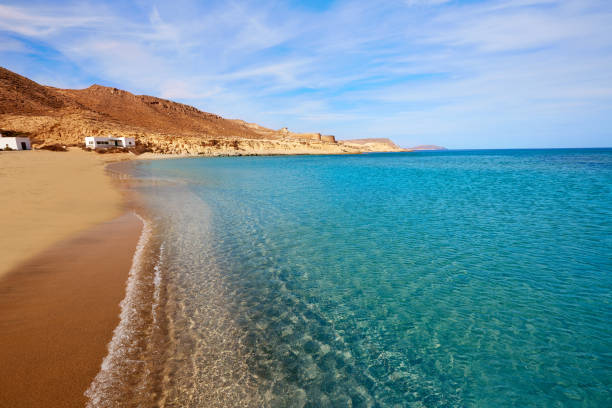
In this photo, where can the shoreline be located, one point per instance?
(58, 312)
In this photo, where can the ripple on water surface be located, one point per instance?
(424, 279)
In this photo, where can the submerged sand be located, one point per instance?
(46, 197)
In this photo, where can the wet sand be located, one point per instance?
(57, 315)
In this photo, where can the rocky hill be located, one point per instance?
(375, 145)
(50, 115)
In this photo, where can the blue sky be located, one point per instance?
(462, 74)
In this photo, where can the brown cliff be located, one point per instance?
(65, 116)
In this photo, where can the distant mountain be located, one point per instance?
(52, 115)
(427, 147)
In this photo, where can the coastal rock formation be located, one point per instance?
(51, 115)
(375, 145)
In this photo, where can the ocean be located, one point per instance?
(424, 279)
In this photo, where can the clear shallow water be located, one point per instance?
(468, 278)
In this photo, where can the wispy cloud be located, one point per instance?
(464, 74)
(425, 2)
(21, 21)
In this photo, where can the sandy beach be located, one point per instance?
(66, 252)
(50, 196)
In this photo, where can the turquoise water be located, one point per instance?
(430, 279)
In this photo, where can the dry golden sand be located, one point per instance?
(49, 196)
(65, 253)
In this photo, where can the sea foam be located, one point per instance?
(119, 362)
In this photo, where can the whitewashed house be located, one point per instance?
(15, 143)
(104, 142)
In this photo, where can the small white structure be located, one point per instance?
(15, 143)
(104, 142)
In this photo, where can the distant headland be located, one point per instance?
(427, 147)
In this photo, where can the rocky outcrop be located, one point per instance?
(375, 145)
(242, 147)
(307, 136)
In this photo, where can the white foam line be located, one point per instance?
(118, 348)
(157, 282)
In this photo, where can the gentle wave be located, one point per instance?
(157, 281)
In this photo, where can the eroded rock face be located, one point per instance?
(375, 145)
(66, 116)
(234, 147)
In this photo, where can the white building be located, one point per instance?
(104, 142)
(15, 143)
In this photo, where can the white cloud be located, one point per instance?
(179, 89)
(22, 21)
(8, 44)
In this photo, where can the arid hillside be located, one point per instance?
(50, 115)
(375, 144)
